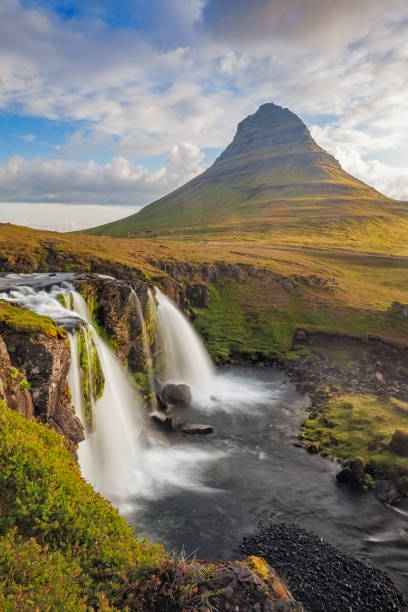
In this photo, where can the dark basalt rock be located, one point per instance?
(352, 473)
(385, 492)
(176, 394)
(168, 422)
(46, 361)
(235, 587)
(399, 443)
(11, 383)
(191, 428)
(198, 294)
(113, 304)
(321, 576)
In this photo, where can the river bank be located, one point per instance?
(323, 577)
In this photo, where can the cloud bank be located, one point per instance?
(117, 182)
(181, 83)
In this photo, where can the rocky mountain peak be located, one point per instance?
(272, 129)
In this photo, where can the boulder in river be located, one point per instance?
(352, 472)
(192, 428)
(399, 443)
(176, 394)
(168, 422)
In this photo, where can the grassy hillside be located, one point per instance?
(256, 316)
(275, 185)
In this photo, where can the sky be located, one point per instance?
(106, 106)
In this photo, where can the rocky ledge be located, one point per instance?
(33, 374)
(319, 575)
(241, 586)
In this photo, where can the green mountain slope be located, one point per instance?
(273, 182)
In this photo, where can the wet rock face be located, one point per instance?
(46, 361)
(352, 473)
(14, 386)
(114, 306)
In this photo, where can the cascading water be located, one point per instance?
(120, 456)
(186, 360)
(114, 457)
(249, 461)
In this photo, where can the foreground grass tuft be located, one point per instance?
(21, 319)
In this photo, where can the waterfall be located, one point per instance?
(113, 445)
(121, 456)
(75, 386)
(186, 360)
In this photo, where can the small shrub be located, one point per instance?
(25, 385)
(13, 372)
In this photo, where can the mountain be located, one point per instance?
(273, 182)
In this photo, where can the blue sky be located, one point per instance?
(113, 104)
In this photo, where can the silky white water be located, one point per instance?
(186, 360)
(114, 457)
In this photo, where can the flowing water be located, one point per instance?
(185, 356)
(203, 493)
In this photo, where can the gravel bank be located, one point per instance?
(320, 576)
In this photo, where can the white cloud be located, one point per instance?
(28, 137)
(350, 145)
(117, 182)
(141, 94)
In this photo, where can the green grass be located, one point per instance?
(92, 378)
(259, 317)
(64, 547)
(236, 325)
(361, 426)
(24, 320)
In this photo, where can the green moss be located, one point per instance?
(62, 298)
(360, 426)
(25, 385)
(81, 545)
(33, 577)
(92, 378)
(21, 319)
(64, 547)
(13, 372)
(238, 324)
(298, 351)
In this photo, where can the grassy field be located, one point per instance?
(258, 316)
(361, 426)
